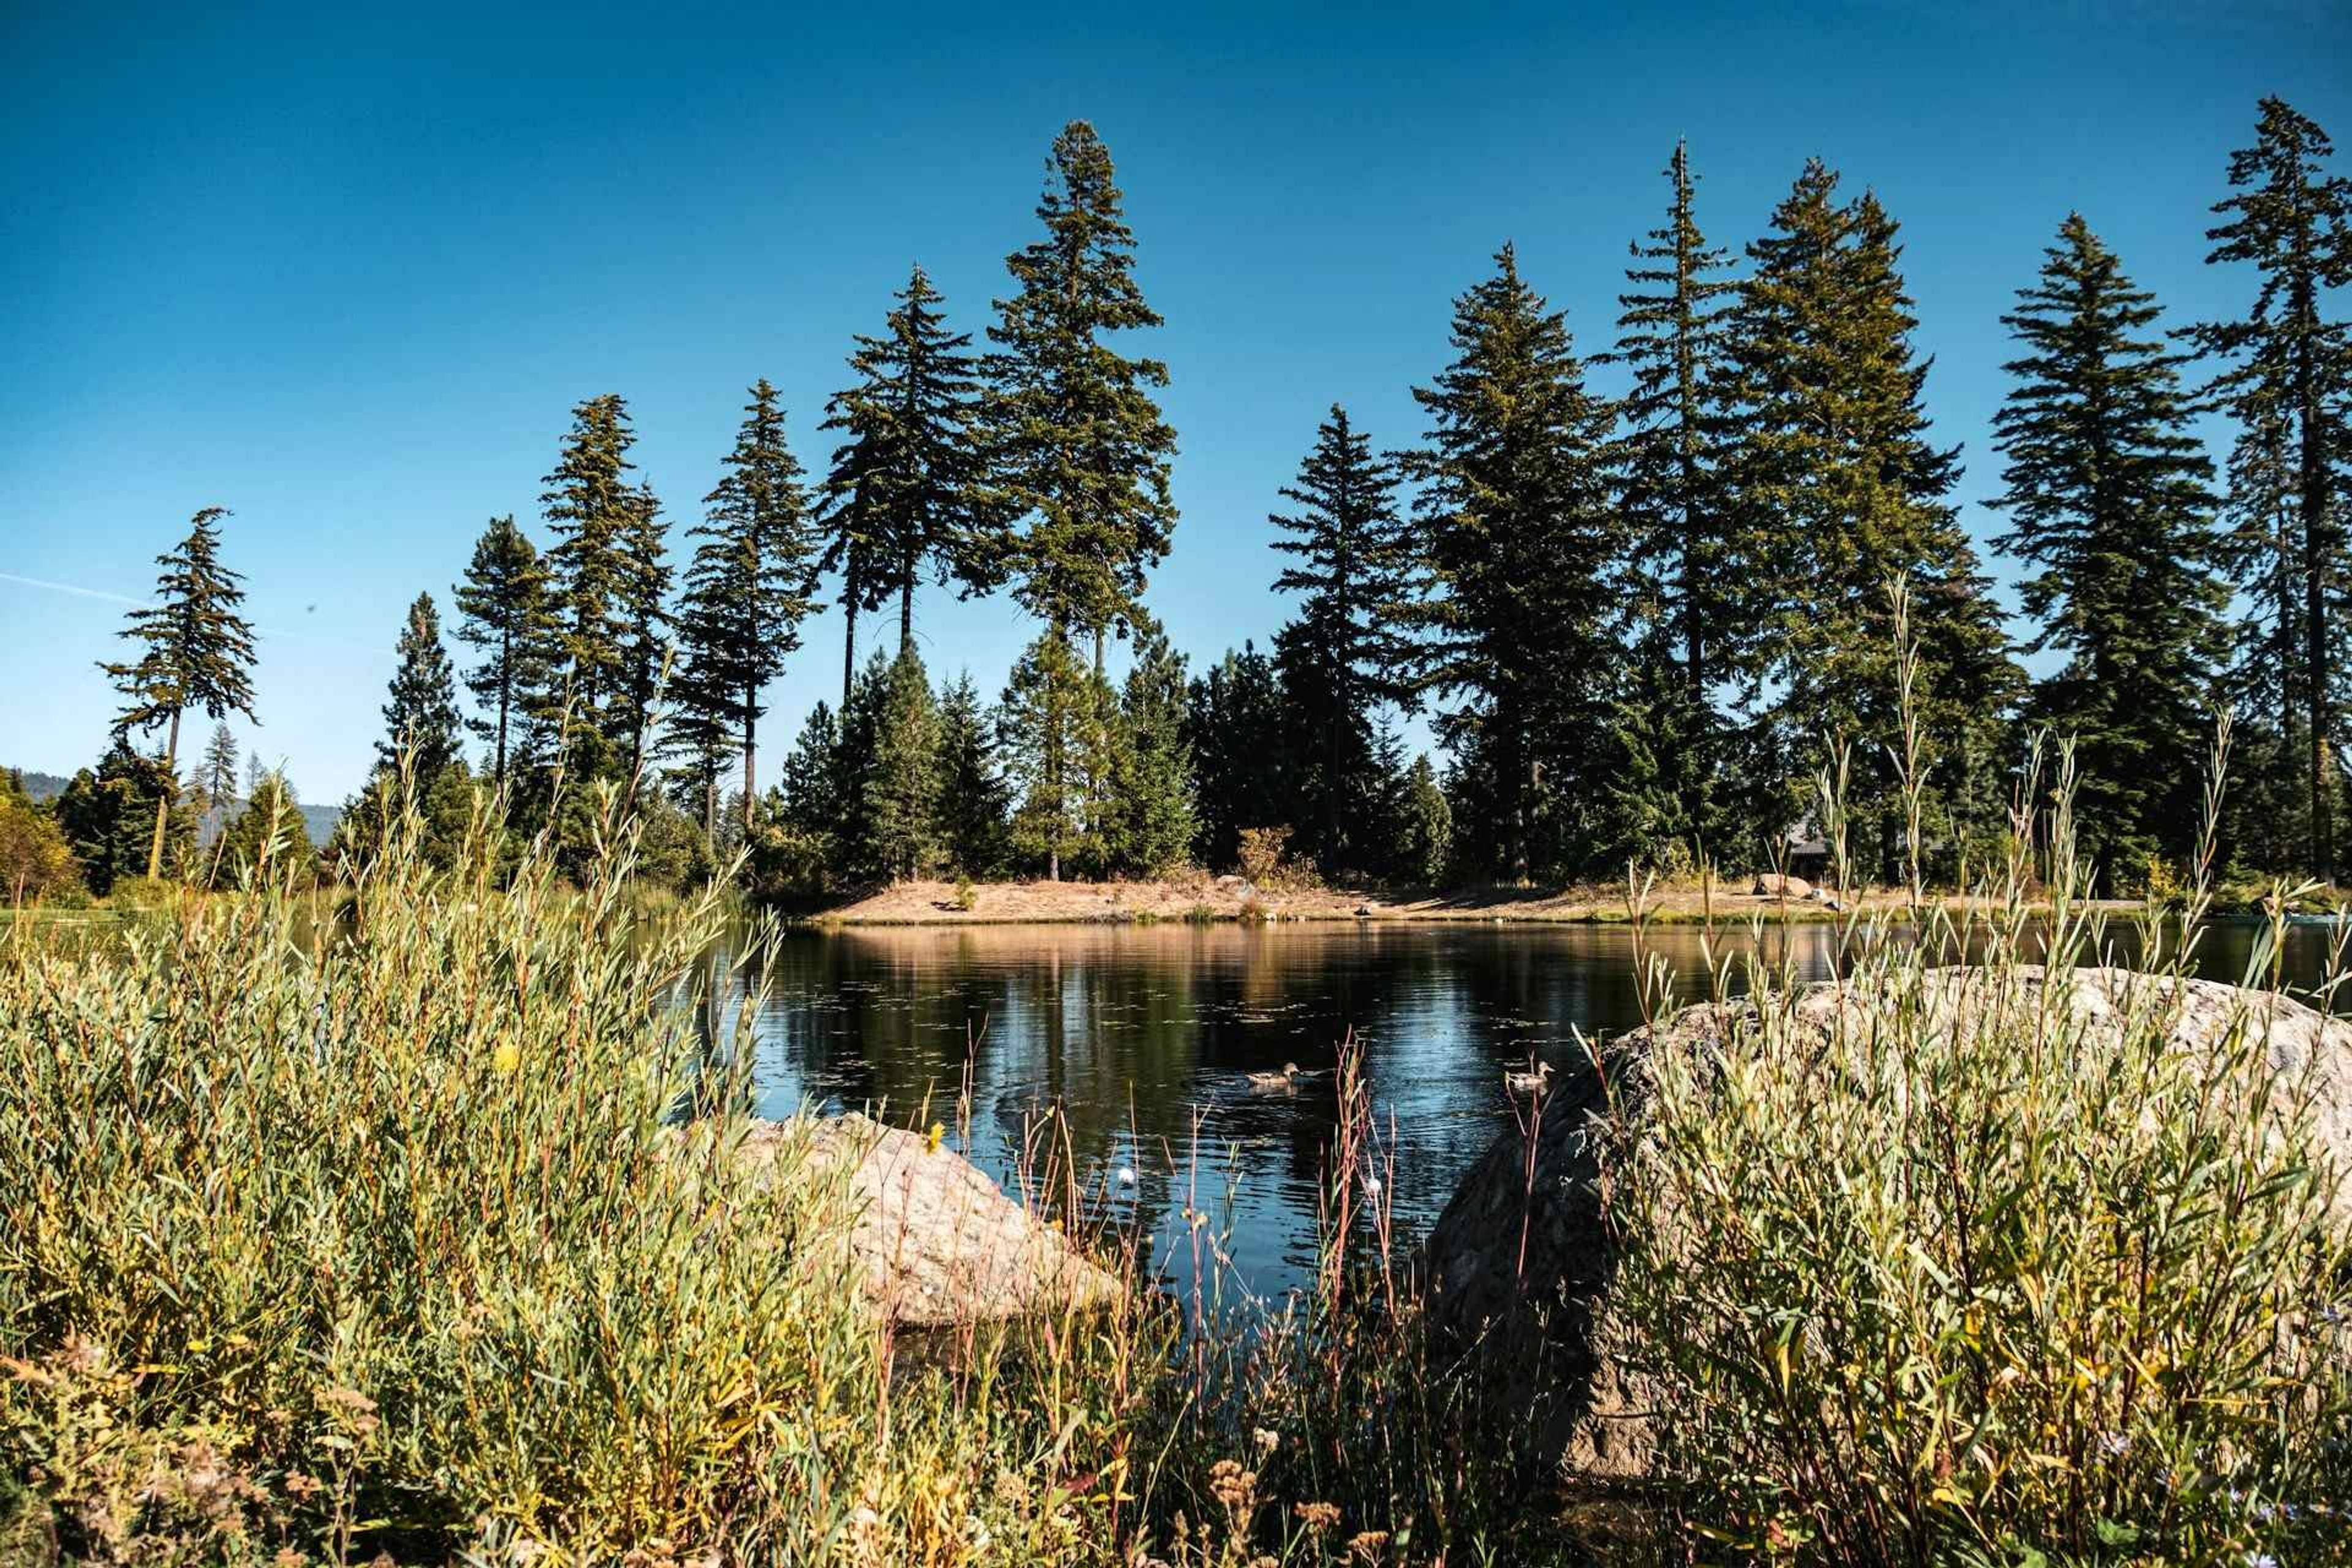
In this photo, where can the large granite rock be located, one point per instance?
(1520, 1262)
(932, 1241)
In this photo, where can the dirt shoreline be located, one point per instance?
(1207, 900)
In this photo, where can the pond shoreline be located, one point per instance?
(1200, 899)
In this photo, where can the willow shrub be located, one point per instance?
(1946, 1284)
(403, 1225)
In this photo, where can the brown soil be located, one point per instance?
(1197, 896)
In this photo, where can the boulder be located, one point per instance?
(1772, 885)
(933, 1242)
(1519, 1262)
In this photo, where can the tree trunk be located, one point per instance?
(907, 610)
(169, 785)
(506, 694)
(750, 729)
(2315, 551)
(848, 640)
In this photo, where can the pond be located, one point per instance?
(1142, 1037)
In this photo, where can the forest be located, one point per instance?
(1640, 627)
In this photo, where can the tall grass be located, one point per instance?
(1945, 1274)
(416, 1233)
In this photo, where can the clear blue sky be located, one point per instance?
(345, 270)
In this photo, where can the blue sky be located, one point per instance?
(344, 270)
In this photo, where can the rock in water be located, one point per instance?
(934, 1242)
(1520, 1262)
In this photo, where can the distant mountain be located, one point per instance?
(319, 821)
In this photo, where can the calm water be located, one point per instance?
(1140, 1036)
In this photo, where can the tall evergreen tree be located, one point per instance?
(645, 622)
(1690, 630)
(197, 653)
(1151, 817)
(595, 512)
(1237, 729)
(2288, 377)
(217, 774)
(2106, 490)
(1522, 540)
(1344, 655)
(902, 787)
(1427, 837)
(908, 485)
(751, 585)
(504, 611)
(107, 815)
(1077, 445)
(811, 808)
(1843, 491)
(420, 709)
(1045, 700)
(971, 794)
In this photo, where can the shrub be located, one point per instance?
(967, 896)
(1974, 1282)
(1262, 851)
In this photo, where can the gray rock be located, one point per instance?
(1520, 1262)
(933, 1242)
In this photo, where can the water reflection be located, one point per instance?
(1142, 1037)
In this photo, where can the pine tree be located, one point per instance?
(504, 613)
(1036, 732)
(1077, 445)
(853, 766)
(1151, 817)
(902, 787)
(2106, 489)
(908, 483)
(1690, 630)
(749, 586)
(198, 654)
(217, 774)
(971, 794)
(645, 622)
(420, 712)
(2287, 378)
(1427, 840)
(1843, 492)
(1237, 728)
(1344, 655)
(107, 815)
(1522, 541)
(591, 508)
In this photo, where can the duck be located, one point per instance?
(1274, 1080)
(1535, 1082)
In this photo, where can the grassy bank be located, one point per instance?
(416, 1236)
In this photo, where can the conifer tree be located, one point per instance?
(853, 766)
(2106, 490)
(1151, 816)
(1077, 445)
(217, 774)
(645, 623)
(1237, 728)
(1521, 541)
(1842, 492)
(107, 815)
(1036, 734)
(1344, 655)
(1690, 633)
(198, 654)
(972, 796)
(2286, 376)
(1427, 836)
(420, 710)
(751, 585)
(504, 611)
(908, 483)
(805, 806)
(902, 786)
(594, 512)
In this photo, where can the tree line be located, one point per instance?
(1641, 625)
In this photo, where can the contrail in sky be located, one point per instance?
(112, 598)
(71, 588)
